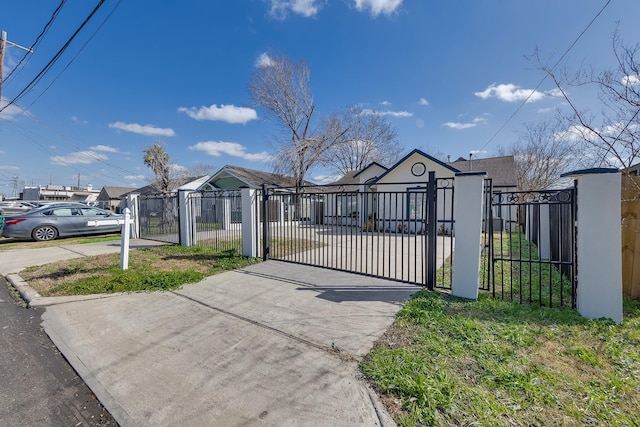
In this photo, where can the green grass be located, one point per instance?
(448, 361)
(158, 268)
(526, 279)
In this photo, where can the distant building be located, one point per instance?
(109, 197)
(61, 193)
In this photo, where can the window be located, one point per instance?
(92, 212)
(346, 204)
(417, 204)
(63, 212)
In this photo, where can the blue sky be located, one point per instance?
(448, 75)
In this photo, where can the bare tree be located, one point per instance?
(541, 156)
(366, 137)
(281, 87)
(612, 136)
(157, 159)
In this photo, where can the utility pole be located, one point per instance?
(3, 47)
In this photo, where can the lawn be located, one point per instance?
(448, 361)
(159, 268)
(498, 362)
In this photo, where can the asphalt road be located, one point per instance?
(37, 385)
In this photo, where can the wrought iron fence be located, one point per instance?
(159, 218)
(530, 246)
(384, 231)
(216, 219)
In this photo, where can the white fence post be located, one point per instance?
(124, 245)
(134, 208)
(249, 222)
(599, 243)
(467, 210)
(186, 218)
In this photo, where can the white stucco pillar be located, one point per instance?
(186, 218)
(249, 222)
(467, 211)
(226, 212)
(599, 243)
(544, 233)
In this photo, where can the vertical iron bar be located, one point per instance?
(265, 227)
(432, 233)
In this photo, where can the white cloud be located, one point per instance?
(423, 101)
(218, 148)
(513, 93)
(8, 168)
(631, 80)
(77, 120)
(326, 179)
(387, 113)
(385, 103)
(581, 133)
(264, 60)
(459, 126)
(134, 177)
(105, 148)
(149, 130)
(455, 125)
(224, 113)
(475, 152)
(377, 7)
(307, 8)
(85, 157)
(11, 111)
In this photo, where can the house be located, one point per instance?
(400, 191)
(110, 197)
(235, 177)
(284, 204)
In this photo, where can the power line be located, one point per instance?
(566, 52)
(54, 15)
(76, 55)
(53, 60)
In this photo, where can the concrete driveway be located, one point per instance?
(275, 344)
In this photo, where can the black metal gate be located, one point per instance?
(216, 219)
(158, 217)
(399, 231)
(530, 251)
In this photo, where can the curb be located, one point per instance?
(34, 299)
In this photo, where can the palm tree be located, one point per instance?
(157, 159)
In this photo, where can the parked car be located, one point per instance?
(13, 208)
(61, 220)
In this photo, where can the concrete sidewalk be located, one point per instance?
(15, 260)
(275, 344)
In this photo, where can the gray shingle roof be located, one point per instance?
(115, 192)
(501, 169)
(256, 178)
(153, 188)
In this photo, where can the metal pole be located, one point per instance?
(432, 231)
(265, 223)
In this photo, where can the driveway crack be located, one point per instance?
(332, 350)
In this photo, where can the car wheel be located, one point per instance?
(44, 232)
